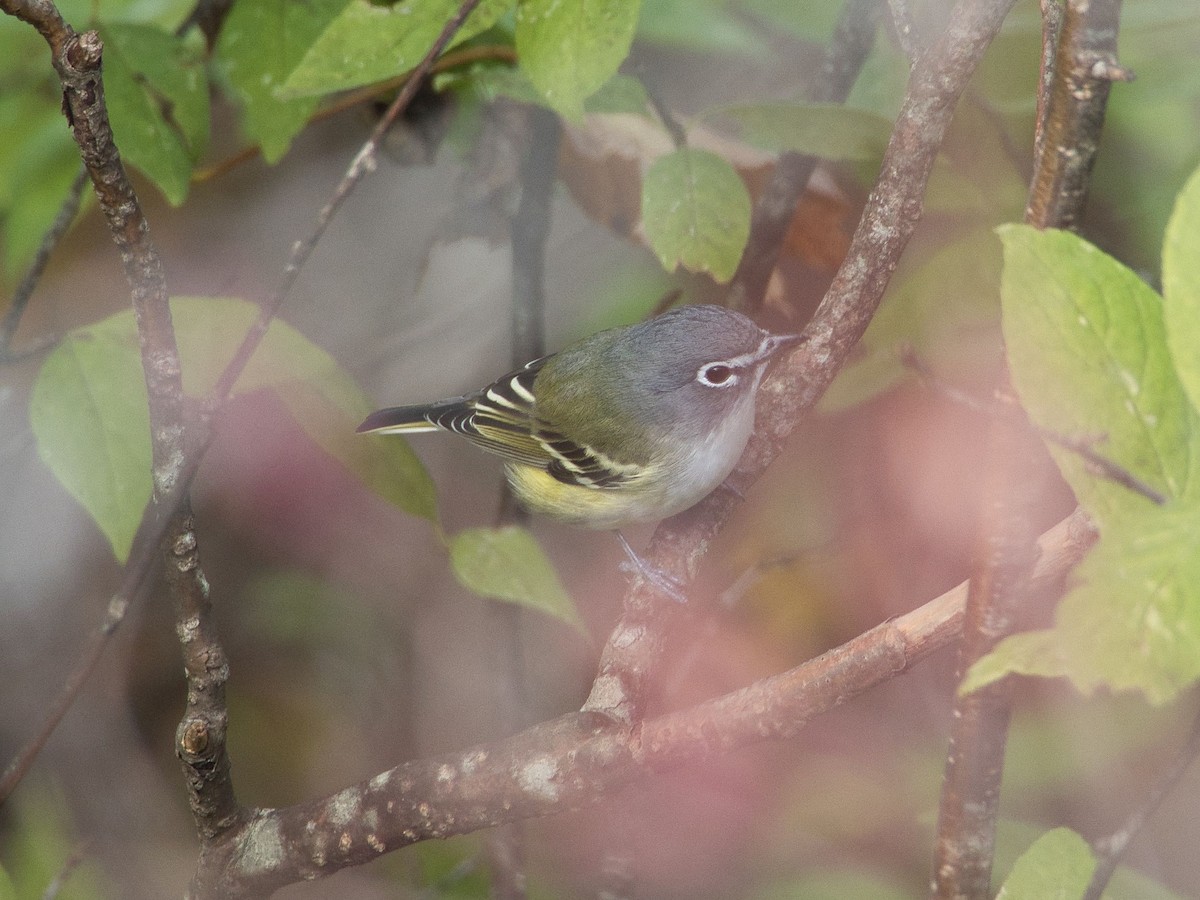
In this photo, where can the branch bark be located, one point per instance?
(578, 758)
(1084, 68)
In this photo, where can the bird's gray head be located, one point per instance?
(716, 350)
(695, 358)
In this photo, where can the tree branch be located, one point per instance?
(1085, 65)
(58, 228)
(979, 731)
(579, 758)
(77, 60)
(889, 218)
(1073, 115)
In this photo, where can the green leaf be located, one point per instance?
(1087, 347)
(696, 212)
(261, 42)
(569, 50)
(38, 162)
(508, 564)
(697, 26)
(1133, 622)
(368, 42)
(830, 132)
(387, 466)
(1057, 867)
(89, 414)
(157, 94)
(1181, 287)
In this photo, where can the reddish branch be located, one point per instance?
(1070, 120)
(889, 218)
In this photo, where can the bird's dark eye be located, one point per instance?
(715, 374)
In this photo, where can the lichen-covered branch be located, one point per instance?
(167, 522)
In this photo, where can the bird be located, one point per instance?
(630, 425)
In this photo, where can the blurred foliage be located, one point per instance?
(42, 847)
(508, 564)
(93, 429)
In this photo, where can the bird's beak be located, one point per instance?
(779, 342)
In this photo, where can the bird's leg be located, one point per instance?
(657, 577)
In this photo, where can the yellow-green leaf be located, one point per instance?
(508, 564)
(569, 50)
(157, 93)
(1181, 286)
(368, 42)
(696, 212)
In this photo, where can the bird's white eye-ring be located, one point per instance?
(716, 375)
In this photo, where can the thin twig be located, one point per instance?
(1083, 447)
(20, 765)
(1110, 850)
(891, 214)
(54, 234)
(363, 162)
(851, 43)
(78, 855)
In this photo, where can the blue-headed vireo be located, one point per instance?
(630, 425)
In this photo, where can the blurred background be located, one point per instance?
(353, 647)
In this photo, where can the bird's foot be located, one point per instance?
(635, 565)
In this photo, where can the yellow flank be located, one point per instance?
(541, 492)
